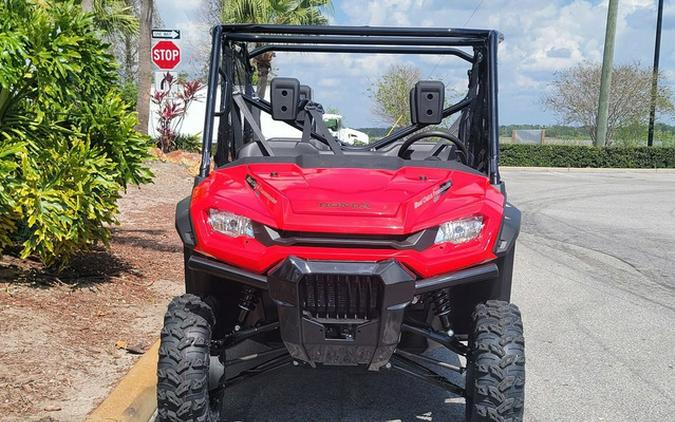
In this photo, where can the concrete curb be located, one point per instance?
(133, 399)
(585, 170)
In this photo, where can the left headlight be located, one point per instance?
(230, 224)
(460, 231)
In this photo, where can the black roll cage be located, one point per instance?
(229, 48)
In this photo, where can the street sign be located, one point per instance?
(165, 55)
(166, 34)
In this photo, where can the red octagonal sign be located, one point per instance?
(165, 55)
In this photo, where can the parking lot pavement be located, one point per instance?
(594, 278)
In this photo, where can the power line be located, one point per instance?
(480, 3)
(475, 10)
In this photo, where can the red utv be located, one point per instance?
(323, 253)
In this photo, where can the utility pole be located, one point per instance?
(655, 76)
(606, 78)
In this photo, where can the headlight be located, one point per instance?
(460, 231)
(232, 225)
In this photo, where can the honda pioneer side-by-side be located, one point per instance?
(322, 253)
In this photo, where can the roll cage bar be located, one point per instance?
(479, 122)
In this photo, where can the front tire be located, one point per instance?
(495, 381)
(183, 367)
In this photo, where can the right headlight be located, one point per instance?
(229, 224)
(460, 231)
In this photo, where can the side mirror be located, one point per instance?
(305, 93)
(426, 102)
(285, 98)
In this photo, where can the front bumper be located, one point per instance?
(342, 313)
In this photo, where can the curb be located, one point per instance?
(586, 170)
(133, 398)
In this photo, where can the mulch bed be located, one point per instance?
(66, 338)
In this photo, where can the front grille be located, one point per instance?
(341, 296)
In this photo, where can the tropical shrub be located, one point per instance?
(173, 102)
(9, 163)
(189, 143)
(67, 143)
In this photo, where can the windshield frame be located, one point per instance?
(231, 69)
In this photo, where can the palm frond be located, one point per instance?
(290, 12)
(115, 17)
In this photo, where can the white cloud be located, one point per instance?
(382, 12)
(195, 44)
(183, 5)
(329, 83)
(523, 81)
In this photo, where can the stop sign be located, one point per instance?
(165, 55)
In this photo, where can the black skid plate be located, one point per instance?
(341, 313)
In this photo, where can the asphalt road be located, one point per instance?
(594, 277)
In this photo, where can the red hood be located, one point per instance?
(346, 200)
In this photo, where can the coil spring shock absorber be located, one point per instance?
(441, 301)
(246, 305)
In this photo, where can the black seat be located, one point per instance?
(283, 147)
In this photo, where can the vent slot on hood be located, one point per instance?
(418, 241)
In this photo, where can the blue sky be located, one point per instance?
(541, 37)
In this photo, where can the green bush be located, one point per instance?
(636, 135)
(67, 139)
(189, 143)
(584, 156)
(10, 153)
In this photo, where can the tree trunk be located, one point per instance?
(144, 66)
(129, 58)
(263, 74)
(131, 49)
(88, 5)
(264, 65)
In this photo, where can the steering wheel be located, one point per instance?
(447, 137)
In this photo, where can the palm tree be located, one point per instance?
(144, 65)
(122, 27)
(289, 12)
(118, 19)
(114, 17)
